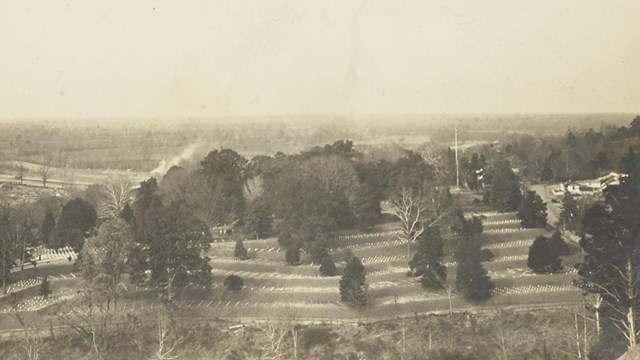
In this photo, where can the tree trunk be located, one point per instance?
(630, 312)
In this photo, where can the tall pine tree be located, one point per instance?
(427, 261)
(353, 285)
(532, 211)
(569, 216)
(471, 278)
(505, 189)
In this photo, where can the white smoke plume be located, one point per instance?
(186, 155)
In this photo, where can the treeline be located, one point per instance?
(575, 155)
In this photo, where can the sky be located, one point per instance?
(225, 58)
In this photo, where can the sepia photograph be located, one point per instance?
(329, 179)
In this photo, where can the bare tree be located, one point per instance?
(501, 339)
(21, 171)
(33, 341)
(253, 188)
(275, 335)
(115, 195)
(168, 338)
(333, 172)
(596, 301)
(624, 299)
(410, 208)
(45, 173)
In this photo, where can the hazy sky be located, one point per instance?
(122, 58)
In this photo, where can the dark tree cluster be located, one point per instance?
(170, 241)
(532, 211)
(427, 262)
(576, 155)
(472, 279)
(504, 193)
(545, 252)
(353, 285)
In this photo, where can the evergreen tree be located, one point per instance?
(543, 257)
(240, 252)
(367, 206)
(532, 211)
(292, 255)
(44, 290)
(427, 261)
(233, 282)
(353, 285)
(569, 216)
(546, 174)
(127, 213)
(46, 229)
(258, 219)
(471, 278)
(505, 189)
(177, 250)
(77, 220)
(559, 244)
(610, 266)
(328, 267)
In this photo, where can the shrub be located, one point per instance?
(240, 252)
(233, 282)
(328, 267)
(44, 288)
(543, 257)
(292, 256)
(486, 255)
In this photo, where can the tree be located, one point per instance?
(427, 262)
(44, 290)
(45, 173)
(240, 252)
(353, 285)
(307, 212)
(532, 211)
(21, 171)
(104, 259)
(611, 243)
(178, 248)
(8, 246)
(223, 172)
(543, 257)
(559, 244)
(417, 210)
(292, 255)
(328, 267)
(233, 282)
(546, 174)
(472, 171)
(127, 214)
(46, 229)
(253, 189)
(471, 278)
(115, 195)
(366, 206)
(505, 189)
(258, 219)
(76, 221)
(569, 216)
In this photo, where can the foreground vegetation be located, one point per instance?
(494, 334)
